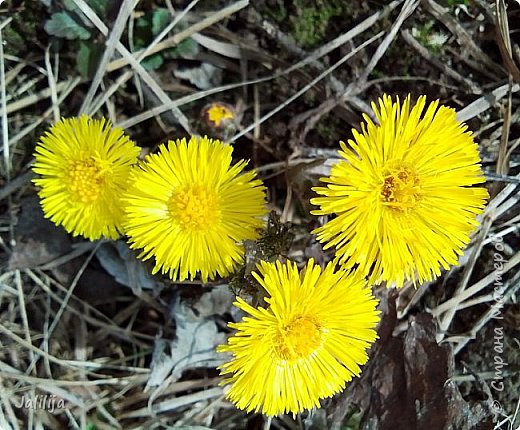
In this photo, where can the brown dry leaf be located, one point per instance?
(38, 241)
(406, 384)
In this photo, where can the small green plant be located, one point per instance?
(23, 32)
(148, 26)
(452, 3)
(307, 20)
(429, 37)
(71, 24)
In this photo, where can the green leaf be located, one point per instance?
(63, 25)
(88, 57)
(145, 29)
(99, 6)
(142, 31)
(153, 62)
(70, 5)
(457, 2)
(160, 19)
(187, 48)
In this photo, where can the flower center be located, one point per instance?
(85, 180)
(194, 207)
(298, 339)
(400, 190)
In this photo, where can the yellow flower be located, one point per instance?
(306, 344)
(217, 113)
(191, 209)
(403, 196)
(84, 166)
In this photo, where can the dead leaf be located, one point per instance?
(204, 77)
(38, 240)
(406, 384)
(215, 302)
(196, 339)
(120, 262)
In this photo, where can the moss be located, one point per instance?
(25, 30)
(452, 3)
(14, 41)
(308, 21)
(309, 25)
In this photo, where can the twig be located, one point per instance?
(484, 102)
(444, 68)
(466, 274)
(312, 58)
(305, 88)
(71, 290)
(502, 161)
(476, 288)
(267, 423)
(488, 315)
(52, 86)
(98, 320)
(407, 9)
(6, 403)
(155, 45)
(125, 10)
(35, 98)
(311, 117)
(501, 197)
(175, 403)
(67, 89)
(463, 37)
(504, 40)
(502, 178)
(149, 81)
(72, 383)
(213, 18)
(5, 131)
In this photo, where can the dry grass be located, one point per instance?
(96, 355)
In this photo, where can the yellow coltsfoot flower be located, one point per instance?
(403, 197)
(191, 209)
(306, 345)
(84, 166)
(217, 114)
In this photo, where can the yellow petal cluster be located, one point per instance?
(402, 200)
(84, 165)
(191, 208)
(305, 345)
(218, 113)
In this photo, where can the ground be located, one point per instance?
(101, 343)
